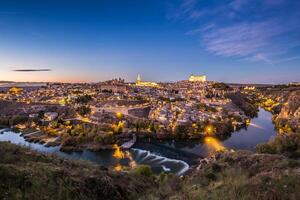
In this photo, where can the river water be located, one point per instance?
(163, 156)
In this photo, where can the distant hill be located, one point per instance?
(7, 84)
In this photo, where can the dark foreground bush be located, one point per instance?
(143, 170)
(286, 144)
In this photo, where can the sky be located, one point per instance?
(241, 41)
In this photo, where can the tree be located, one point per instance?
(83, 99)
(144, 170)
(181, 130)
(83, 110)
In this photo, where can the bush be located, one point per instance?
(144, 170)
(84, 99)
(287, 144)
(245, 102)
(107, 138)
(265, 148)
(83, 110)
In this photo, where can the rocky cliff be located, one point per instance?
(290, 112)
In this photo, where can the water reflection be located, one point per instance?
(256, 126)
(124, 157)
(118, 154)
(213, 145)
(118, 167)
(117, 159)
(170, 155)
(260, 130)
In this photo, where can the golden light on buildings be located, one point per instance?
(249, 88)
(62, 101)
(85, 119)
(195, 78)
(15, 90)
(141, 83)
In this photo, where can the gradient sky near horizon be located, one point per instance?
(247, 41)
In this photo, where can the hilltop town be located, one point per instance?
(99, 115)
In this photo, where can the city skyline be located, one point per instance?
(237, 41)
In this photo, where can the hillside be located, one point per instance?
(237, 175)
(28, 175)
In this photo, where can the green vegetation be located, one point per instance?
(83, 110)
(78, 135)
(239, 175)
(286, 144)
(245, 102)
(205, 108)
(13, 120)
(106, 138)
(84, 99)
(143, 170)
(220, 129)
(221, 86)
(28, 175)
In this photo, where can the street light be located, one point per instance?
(119, 115)
(209, 129)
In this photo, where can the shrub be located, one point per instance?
(107, 138)
(264, 148)
(84, 99)
(144, 170)
(287, 144)
(83, 110)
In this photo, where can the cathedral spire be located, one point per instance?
(139, 79)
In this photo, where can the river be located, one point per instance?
(164, 156)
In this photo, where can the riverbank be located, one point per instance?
(284, 103)
(117, 159)
(189, 151)
(25, 174)
(78, 137)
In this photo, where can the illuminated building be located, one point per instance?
(139, 82)
(15, 90)
(295, 83)
(249, 88)
(195, 78)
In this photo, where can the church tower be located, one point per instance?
(139, 79)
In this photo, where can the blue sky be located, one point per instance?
(163, 40)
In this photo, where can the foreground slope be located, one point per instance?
(25, 174)
(238, 175)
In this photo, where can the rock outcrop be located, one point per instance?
(290, 112)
